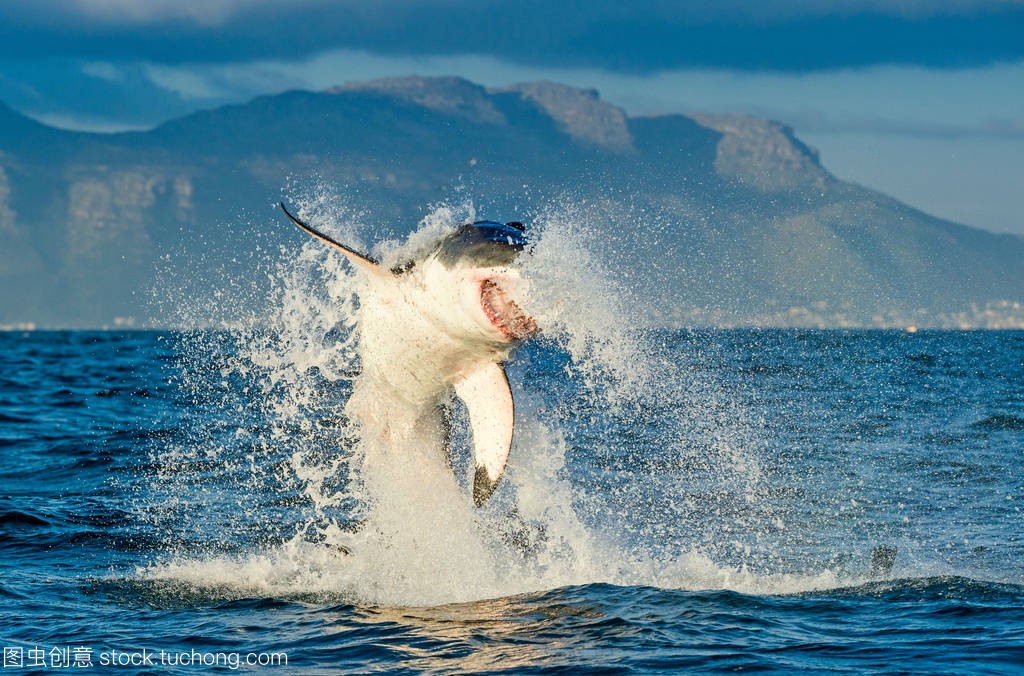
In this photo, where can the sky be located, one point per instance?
(921, 99)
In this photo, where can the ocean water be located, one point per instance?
(701, 501)
(138, 513)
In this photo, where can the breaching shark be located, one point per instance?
(445, 321)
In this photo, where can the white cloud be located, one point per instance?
(86, 123)
(208, 12)
(204, 13)
(188, 83)
(218, 12)
(103, 70)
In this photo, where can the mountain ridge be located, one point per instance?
(751, 228)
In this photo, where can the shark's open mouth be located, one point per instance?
(503, 312)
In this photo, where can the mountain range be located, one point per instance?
(718, 219)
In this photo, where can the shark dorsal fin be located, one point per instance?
(486, 394)
(359, 260)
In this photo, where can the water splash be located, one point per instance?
(627, 466)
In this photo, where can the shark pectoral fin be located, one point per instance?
(488, 399)
(360, 261)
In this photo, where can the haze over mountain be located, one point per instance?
(715, 219)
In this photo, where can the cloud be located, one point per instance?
(208, 13)
(791, 36)
(88, 95)
(98, 125)
(214, 12)
(820, 122)
(103, 70)
(189, 85)
(1006, 127)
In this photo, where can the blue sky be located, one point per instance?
(923, 100)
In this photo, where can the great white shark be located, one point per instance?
(446, 321)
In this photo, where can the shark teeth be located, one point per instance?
(505, 315)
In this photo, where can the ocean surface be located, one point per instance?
(183, 502)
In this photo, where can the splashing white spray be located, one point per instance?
(383, 521)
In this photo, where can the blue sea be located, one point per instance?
(773, 501)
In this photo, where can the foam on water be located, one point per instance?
(317, 506)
